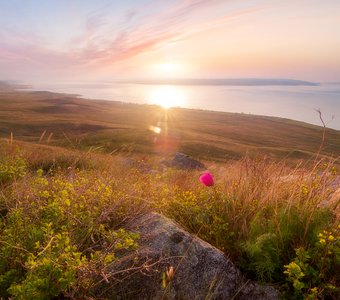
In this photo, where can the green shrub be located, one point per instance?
(271, 240)
(207, 218)
(12, 167)
(56, 238)
(314, 272)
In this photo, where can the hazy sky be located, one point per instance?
(49, 40)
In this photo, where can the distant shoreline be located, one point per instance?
(296, 102)
(224, 81)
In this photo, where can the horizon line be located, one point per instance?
(246, 81)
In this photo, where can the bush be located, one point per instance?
(12, 167)
(57, 237)
(313, 273)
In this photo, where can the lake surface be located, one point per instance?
(293, 102)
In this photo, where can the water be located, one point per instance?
(293, 102)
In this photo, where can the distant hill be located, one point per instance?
(10, 85)
(108, 126)
(229, 81)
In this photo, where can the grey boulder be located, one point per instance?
(172, 264)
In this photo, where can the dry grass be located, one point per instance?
(114, 126)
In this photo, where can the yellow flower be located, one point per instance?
(331, 238)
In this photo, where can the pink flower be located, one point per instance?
(207, 179)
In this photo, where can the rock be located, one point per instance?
(190, 267)
(183, 161)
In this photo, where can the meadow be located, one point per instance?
(108, 126)
(78, 171)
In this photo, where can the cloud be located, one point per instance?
(171, 24)
(106, 40)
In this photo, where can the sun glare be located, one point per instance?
(167, 96)
(169, 67)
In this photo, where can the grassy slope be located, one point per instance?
(115, 126)
(258, 212)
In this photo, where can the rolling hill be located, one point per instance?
(109, 126)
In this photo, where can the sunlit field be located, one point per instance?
(111, 127)
(64, 214)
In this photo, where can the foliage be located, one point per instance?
(58, 235)
(313, 272)
(270, 241)
(199, 214)
(61, 228)
(12, 167)
(261, 215)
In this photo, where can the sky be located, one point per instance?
(81, 40)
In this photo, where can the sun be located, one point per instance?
(169, 67)
(167, 96)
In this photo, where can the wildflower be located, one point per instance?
(322, 241)
(207, 179)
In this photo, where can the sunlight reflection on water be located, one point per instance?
(293, 102)
(167, 96)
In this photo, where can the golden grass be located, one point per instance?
(60, 119)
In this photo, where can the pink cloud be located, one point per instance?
(100, 45)
(155, 31)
